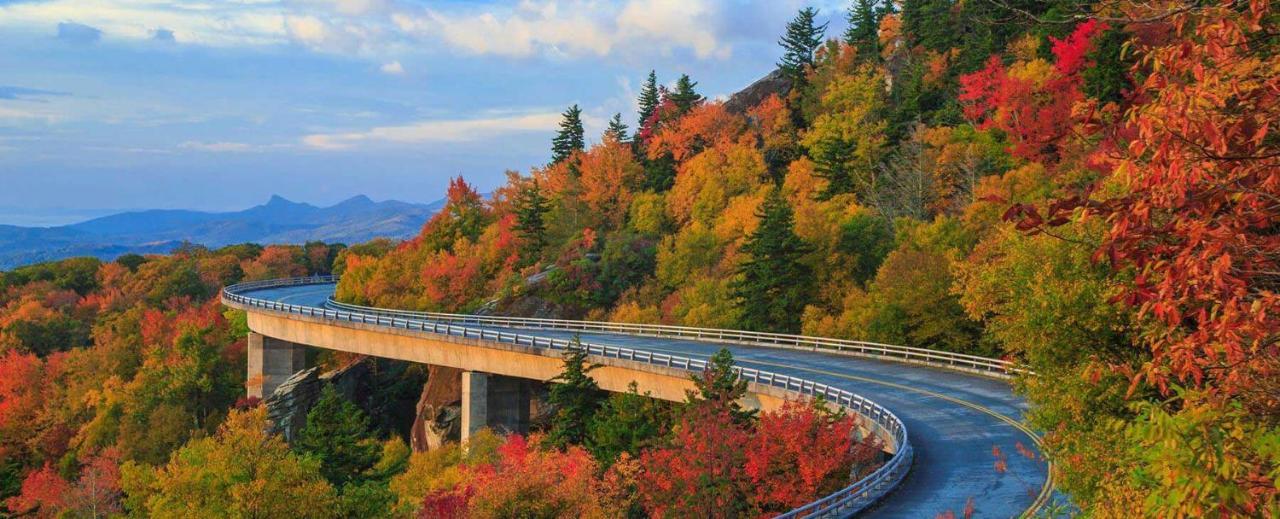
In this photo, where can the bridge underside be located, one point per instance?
(492, 392)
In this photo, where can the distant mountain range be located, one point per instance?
(354, 220)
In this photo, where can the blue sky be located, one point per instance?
(215, 105)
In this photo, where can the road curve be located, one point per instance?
(956, 421)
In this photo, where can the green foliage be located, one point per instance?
(684, 96)
(627, 423)
(45, 336)
(863, 32)
(367, 500)
(569, 139)
(531, 209)
(1047, 304)
(847, 139)
(575, 396)
(648, 101)
(659, 173)
(617, 130)
(78, 274)
(720, 387)
(627, 260)
(774, 285)
(182, 280)
(801, 40)
(868, 239)
(1108, 79)
(131, 261)
(337, 434)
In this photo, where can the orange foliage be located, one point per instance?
(707, 125)
(609, 175)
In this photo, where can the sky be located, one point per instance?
(218, 104)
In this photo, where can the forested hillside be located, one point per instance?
(1088, 188)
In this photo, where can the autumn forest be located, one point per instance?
(1088, 189)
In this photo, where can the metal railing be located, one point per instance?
(844, 502)
(944, 359)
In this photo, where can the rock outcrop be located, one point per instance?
(384, 389)
(774, 83)
(288, 406)
(439, 410)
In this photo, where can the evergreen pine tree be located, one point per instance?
(576, 398)
(864, 29)
(337, 434)
(800, 42)
(720, 386)
(627, 422)
(833, 162)
(774, 285)
(531, 226)
(570, 137)
(648, 98)
(684, 96)
(616, 130)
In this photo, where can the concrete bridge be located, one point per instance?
(941, 416)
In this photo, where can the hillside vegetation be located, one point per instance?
(1089, 189)
(1086, 188)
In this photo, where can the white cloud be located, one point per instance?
(455, 130)
(215, 24)
(218, 147)
(394, 68)
(374, 28)
(584, 28)
(307, 29)
(673, 23)
(33, 113)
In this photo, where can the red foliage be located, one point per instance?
(1199, 225)
(446, 504)
(43, 494)
(1070, 52)
(95, 493)
(1035, 112)
(701, 474)
(797, 453)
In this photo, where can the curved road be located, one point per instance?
(955, 420)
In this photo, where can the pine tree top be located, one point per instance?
(801, 40)
(570, 138)
(617, 130)
(649, 97)
(684, 96)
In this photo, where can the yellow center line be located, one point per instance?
(1045, 491)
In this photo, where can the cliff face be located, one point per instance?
(439, 410)
(774, 83)
(384, 389)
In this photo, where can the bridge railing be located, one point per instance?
(959, 361)
(844, 502)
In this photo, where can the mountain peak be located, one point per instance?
(355, 201)
(279, 200)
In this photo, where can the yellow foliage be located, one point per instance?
(632, 312)
(705, 183)
(647, 214)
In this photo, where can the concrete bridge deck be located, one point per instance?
(955, 420)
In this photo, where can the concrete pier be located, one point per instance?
(271, 361)
(497, 402)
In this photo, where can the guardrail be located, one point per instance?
(844, 502)
(958, 361)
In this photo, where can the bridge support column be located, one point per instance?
(497, 402)
(271, 361)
